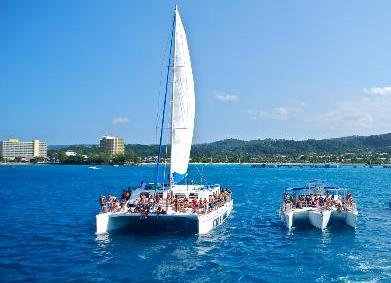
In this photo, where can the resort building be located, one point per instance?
(112, 145)
(70, 153)
(14, 148)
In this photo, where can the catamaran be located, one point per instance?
(173, 202)
(317, 204)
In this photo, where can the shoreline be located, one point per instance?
(282, 164)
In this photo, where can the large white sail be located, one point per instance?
(183, 104)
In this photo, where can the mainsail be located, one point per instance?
(183, 104)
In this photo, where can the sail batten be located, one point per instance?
(183, 104)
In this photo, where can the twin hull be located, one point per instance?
(197, 223)
(317, 218)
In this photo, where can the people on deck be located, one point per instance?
(195, 204)
(152, 202)
(322, 202)
(102, 202)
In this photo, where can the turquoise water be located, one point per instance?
(47, 228)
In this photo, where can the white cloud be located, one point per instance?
(226, 97)
(362, 118)
(277, 113)
(120, 120)
(345, 117)
(382, 91)
(360, 114)
(367, 112)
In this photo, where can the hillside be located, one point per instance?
(267, 147)
(345, 149)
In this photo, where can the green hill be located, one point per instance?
(362, 148)
(267, 147)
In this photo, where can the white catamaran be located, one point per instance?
(318, 205)
(176, 204)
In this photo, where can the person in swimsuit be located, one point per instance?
(195, 205)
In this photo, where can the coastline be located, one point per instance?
(276, 164)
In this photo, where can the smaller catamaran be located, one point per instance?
(317, 205)
(175, 203)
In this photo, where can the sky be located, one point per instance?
(72, 71)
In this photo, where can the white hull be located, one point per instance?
(317, 218)
(200, 223)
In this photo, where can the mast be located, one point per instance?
(171, 180)
(165, 100)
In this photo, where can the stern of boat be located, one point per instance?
(351, 218)
(207, 222)
(106, 222)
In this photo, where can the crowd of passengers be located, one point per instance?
(148, 202)
(326, 202)
(113, 204)
(199, 205)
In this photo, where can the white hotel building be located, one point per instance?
(14, 148)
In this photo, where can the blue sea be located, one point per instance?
(47, 229)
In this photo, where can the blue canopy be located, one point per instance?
(297, 189)
(307, 188)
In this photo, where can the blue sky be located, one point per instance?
(71, 71)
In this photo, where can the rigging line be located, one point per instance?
(164, 169)
(165, 102)
(172, 102)
(160, 87)
(201, 175)
(165, 173)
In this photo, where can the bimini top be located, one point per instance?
(309, 188)
(314, 185)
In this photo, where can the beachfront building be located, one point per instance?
(112, 145)
(70, 153)
(14, 148)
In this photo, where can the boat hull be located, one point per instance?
(108, 222)
(319, 219)
(193, 223)
(346, 217)
(207, 222)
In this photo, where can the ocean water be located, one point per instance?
(47, 230)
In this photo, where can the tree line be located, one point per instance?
(360, 149)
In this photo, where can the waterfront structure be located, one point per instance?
(14, 148)
(112, 145)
